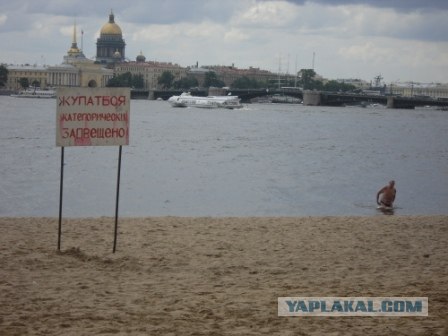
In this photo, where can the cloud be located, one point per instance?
(350, 38)
(268, 14)
(178, 11)
(399, 5)
(367, 52)
(388, 23)
(355, 20)
(167, 33)
(236, 35)
(3, 19)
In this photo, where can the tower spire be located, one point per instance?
(111, 16)
(74, 43)
(74, 50)
(74, 54)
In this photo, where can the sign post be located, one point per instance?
(92, 117)
(61, 188)
(117, 199)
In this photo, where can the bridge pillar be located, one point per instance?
(390, 102)
(401, 103)
(151, 95)
(312, 98)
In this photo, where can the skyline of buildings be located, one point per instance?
(77, 70)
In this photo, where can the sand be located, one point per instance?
(217, 276)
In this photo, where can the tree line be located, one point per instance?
(307, 81)
(23, 81)
(3, 75)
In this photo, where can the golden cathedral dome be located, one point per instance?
(110, 39)
(111, 28)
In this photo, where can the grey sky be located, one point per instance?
(402, 40)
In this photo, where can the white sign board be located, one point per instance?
(92, 117)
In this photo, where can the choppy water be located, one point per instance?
(263, 160)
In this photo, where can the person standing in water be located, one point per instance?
(387, 195)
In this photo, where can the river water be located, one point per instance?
(262, 160)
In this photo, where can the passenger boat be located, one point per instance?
(285, 99)
(35, 93)
(186, 100)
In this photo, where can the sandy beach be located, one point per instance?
(217, 276)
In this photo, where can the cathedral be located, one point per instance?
(77, 70)
(110, 45)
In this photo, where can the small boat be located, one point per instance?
(35, 93)
(186, 100)
(285, 99)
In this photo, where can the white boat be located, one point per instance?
(186, 100)
(285, 99)
(35, 93)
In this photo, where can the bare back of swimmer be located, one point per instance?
(386, 195)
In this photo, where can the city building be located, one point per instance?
(412, 89)
(84, 74)
(110, 46)
(198, 73)
(75, 71)
(151, 71)
(356, 82)
(228, 74)
(36, 75)
(78, 71)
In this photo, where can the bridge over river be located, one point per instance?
(244, 94)
(341, 99)
(311, 98)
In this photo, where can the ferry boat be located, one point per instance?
(285, 99)
(186, 100)
(35, 93)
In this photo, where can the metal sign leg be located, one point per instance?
(117, 200)
(61, 188)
